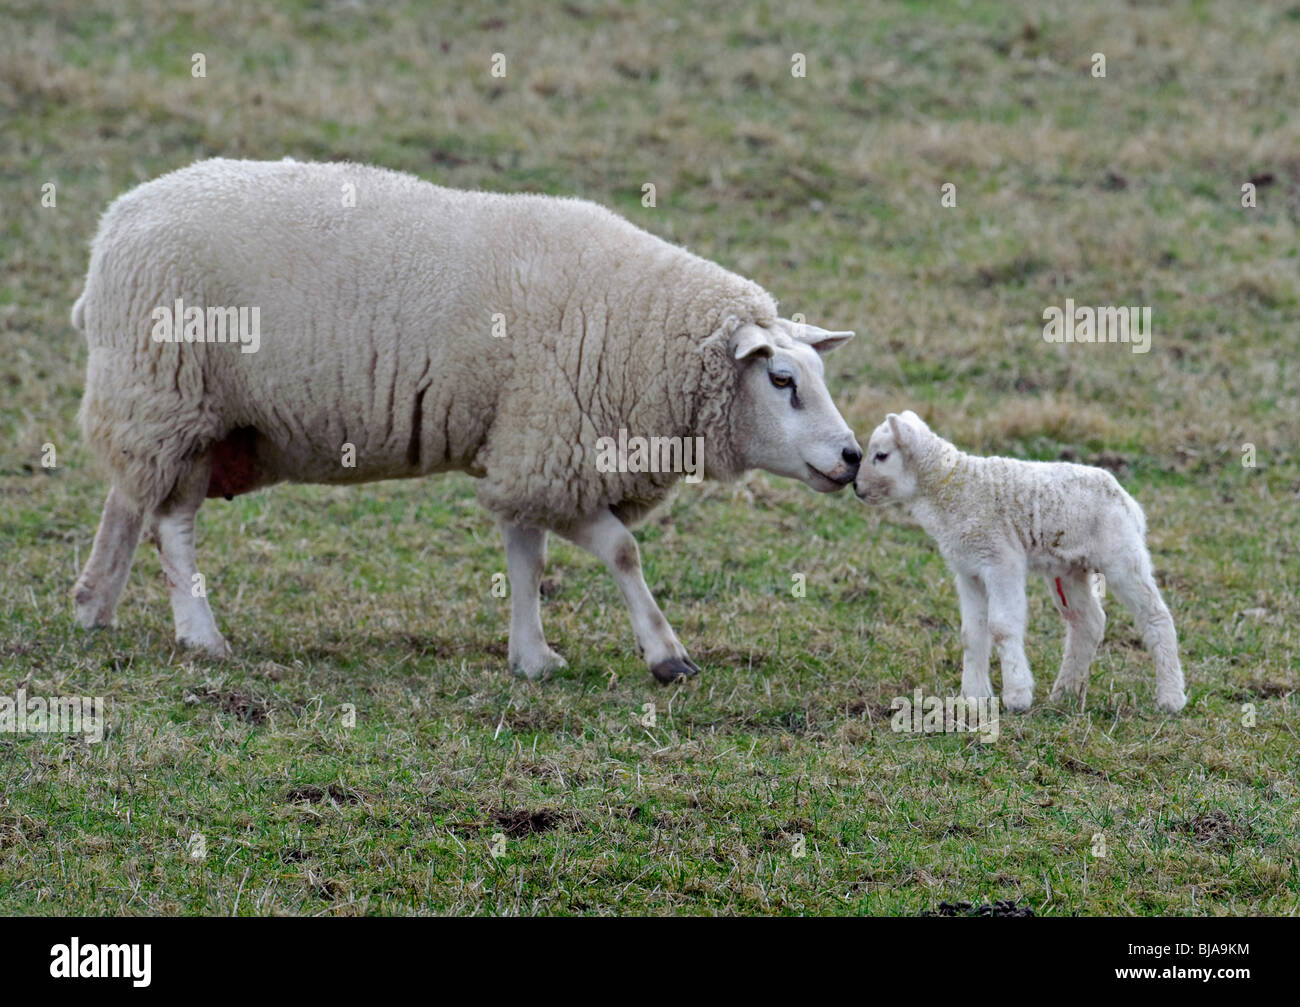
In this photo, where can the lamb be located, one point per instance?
(405, 329)
(995, 519)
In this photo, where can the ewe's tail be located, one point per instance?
(79, 313)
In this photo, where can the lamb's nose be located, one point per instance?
(852, 456)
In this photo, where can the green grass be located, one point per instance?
(825, 189)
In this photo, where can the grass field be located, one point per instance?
(773, 783)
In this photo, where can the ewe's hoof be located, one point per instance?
(90, 612)
(1018, 702)
(1171, 702)
(675, 668)
(534, 666)
(217, 649)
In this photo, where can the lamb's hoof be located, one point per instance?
(674, 668)
(535, 666)
(215, 648)
(1018, 701)
(1171, 702)
(1066, 693)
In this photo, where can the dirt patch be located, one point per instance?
(236, 702)
(528, 821)
(1075, 766)
(874, 710)
(1214, 827)
(1263, 690)
(1003, 907)
(641, 816)
(1109, 460)
(335, 793)
(787, 832)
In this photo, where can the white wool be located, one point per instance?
(377, 329)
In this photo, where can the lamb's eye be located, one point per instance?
(781, 380)
(881, 455)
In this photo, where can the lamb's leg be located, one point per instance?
(1085, 624)
(100, 585)
(172, 528)
(1134, 584)
(1007, 620)
(974, 637)
(606, 537)
(525, 559)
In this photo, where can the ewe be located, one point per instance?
(995, 519)
(405, 329)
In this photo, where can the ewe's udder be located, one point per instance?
(233, 471)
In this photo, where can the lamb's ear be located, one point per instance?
(911, 418)
(904, 435)
(750, 341)
(821, 340)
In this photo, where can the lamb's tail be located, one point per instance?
(1133, 508)
(79, 313)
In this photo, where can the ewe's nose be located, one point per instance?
(852, 458)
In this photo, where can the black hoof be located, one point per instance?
(675, 668)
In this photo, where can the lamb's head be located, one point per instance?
(783, 419)
(898, 450)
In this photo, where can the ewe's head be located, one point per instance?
(783, 420)
(898, 448)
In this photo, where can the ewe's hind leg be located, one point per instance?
(974, 637)
(525, 559)
(605, 536)
(100, 585)
(1134, 585)
(1085, 624)
(172, 528)
(1007, 620)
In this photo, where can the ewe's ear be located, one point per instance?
(821, 340)
(750, 341)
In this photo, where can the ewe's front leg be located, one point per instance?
(974, 637)
(606, 537)
(525, 559)
(1007, 620)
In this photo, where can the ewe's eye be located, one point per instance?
(881, 456)
(781, 380)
